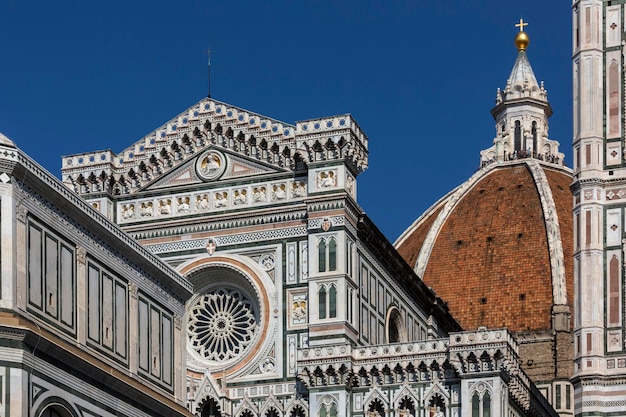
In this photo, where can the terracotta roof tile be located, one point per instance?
(490, 261)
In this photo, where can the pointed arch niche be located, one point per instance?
(395, 329)
(613, 87)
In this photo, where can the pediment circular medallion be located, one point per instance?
(211, 165)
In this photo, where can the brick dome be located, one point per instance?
(498, 249)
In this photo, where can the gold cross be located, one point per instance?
(521, 25)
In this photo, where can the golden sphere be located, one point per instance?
(521, 41)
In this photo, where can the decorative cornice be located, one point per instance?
(210, 123)
(433, 362)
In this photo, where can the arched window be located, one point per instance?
(328, 408)
(322, 302)
(327, 301)
(327, 254)
(475, 405)
(395, 330)
(481, 406)
(332, 255)
(518, 136)
(487, 405)
(332, 302)
(349, 305)
(534, 133)
(322, 255)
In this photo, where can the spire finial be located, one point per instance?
(521, 24)
(521, 39)
(208, 53)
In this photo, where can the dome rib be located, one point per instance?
(553, 231)
(498, 240)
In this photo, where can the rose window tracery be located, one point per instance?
(222, 323)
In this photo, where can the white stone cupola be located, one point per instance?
(521, 114)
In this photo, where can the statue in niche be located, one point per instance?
(298, 189)
(279, 192)
(210, 165)
(128, 211)
(146, 209)
(202, 202)
(299, 309)
(240, 197)
(259, 194)
(183, 205)
(165, 206)
(221, 199)
(350, 184)
(326, 179)
(438, 412)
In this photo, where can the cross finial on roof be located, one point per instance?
(208, 53)
(521, 24)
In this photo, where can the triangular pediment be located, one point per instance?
(255, 145)
(191, 171)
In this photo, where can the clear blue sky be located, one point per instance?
(420, 77)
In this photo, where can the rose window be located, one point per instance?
(222, 324)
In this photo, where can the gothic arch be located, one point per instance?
(437, 396)
(376, 407)
(481, 398)
(375, 400)
(297, 409)
(480, 386)
(246, 409)
(271, 408)
(209, 407)
(406, 399)
(437, 404)
(328, 406)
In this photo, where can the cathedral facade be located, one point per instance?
(222, 266)
(300, 305)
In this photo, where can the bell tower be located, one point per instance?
(599, 190)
